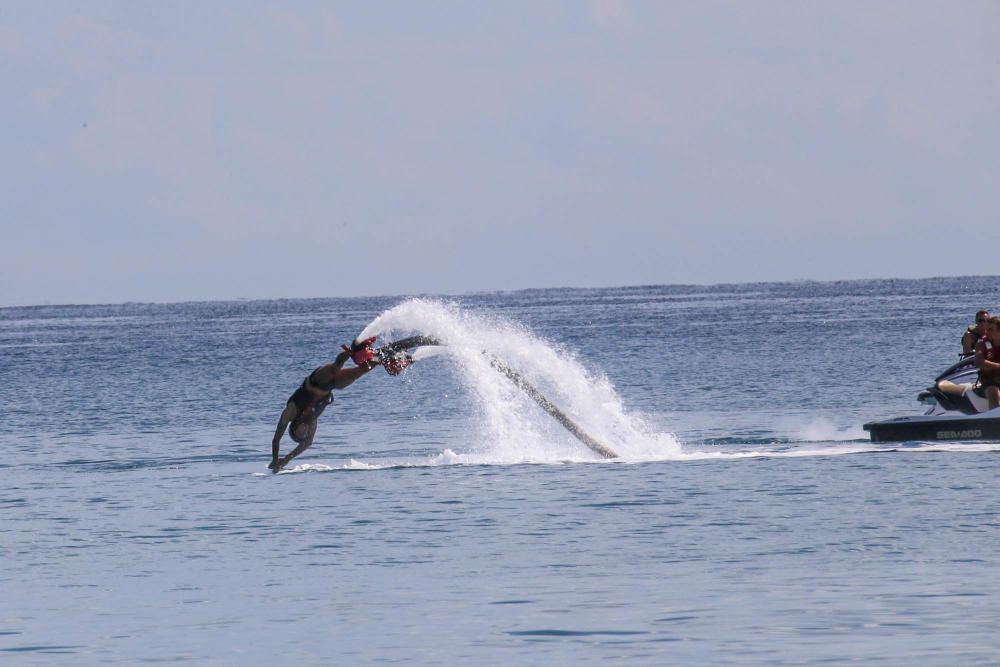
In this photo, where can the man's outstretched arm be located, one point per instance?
(336, 376)
(364, 358)
(287, 415)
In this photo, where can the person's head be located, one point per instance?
(982, 318)
(993, 330)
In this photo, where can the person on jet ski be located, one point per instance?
(974, 333)
(301, 414)
(988, 363)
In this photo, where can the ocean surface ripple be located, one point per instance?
(442, 518)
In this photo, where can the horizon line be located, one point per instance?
(483, 292)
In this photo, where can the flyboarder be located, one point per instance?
(301, 414)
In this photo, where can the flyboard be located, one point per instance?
(394, 356)
(395, 353)
(407, 343)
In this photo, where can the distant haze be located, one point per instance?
(157, 151)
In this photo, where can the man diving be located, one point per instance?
(301, 414)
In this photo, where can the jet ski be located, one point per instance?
(955, 412)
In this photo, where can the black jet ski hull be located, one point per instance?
(984, 426)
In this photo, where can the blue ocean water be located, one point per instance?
(442, 518)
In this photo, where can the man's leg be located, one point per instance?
(305, 438)
(993, 396)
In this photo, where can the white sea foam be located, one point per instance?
(450, 458)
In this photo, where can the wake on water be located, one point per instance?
(512, 429)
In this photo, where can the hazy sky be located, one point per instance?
(164, 151)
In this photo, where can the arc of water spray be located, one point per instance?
(525, 386)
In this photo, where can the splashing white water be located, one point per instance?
(513, 428)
